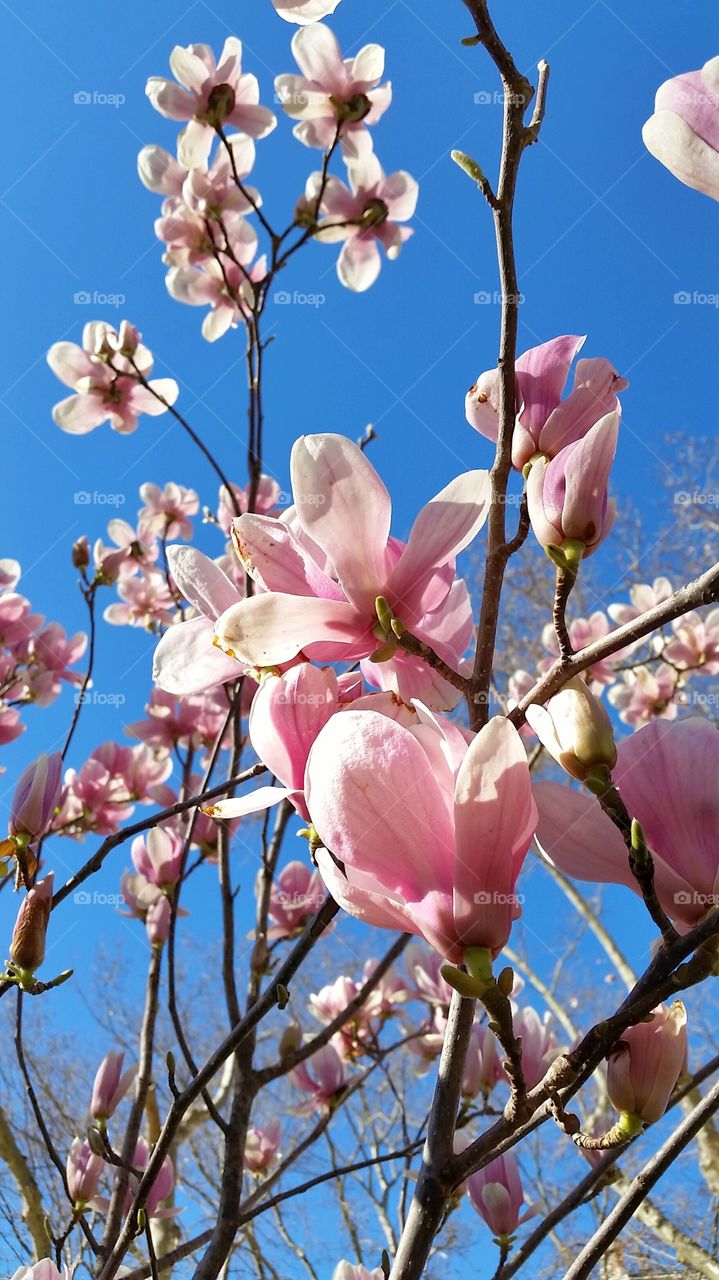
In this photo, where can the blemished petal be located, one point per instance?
(79, 414)
(303, 11)
(169, 99)
(667, 776)
(317, 52)
(368, 65)
(202, 582)
(270, 629)
(70, 363)
(187, 662)
(275, 558)
(541, 377)
(495, 817)
(671, 141)
(375, 803)
(253, 802)
(359, 263)
(345, 508)
(443, 528)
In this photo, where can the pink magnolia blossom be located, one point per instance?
(323, 564)
(101, 795)
(83, 1170)
(226, 290)
(138, 894)
(423, 966)
(210, 96)
(427, 1046)
(304, 11)
(582, 632)
(10, 726)
(262, 1147)
(296, 894)
(100, 393)
(193, 721)
(683, 133)
(27, 949)
(321, 1077)
(643, 596)
(567, 496)
(52, 652)
(644, 694)
(158, 856)
(160, 172)
(545, 423)
(166, 511)
(43, 1270)
(496, 1193)
(110, 1086)
(364, 215)
(696, 643)
(157, 921)
(540, 1046)
(482, 1068)
(355, 1271)
(334, 95)
(161, 1189)
(36, 797)
(431, 834)
(186, 660)
(268, 496)
(17, 624)
(145, 601)
(666, 775)
(212, 192)
(332, 1000)
(193, 240)
(645, 1064)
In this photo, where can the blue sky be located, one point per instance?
(606, 241)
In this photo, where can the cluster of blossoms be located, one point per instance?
(110, 379)
(35, 655)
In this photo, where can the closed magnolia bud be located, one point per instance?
(575, 729)
(27, 949)
(646, 1063)
(157, 921)
(290, 1040)
(83, 1170)
(81, 552)
(110, 1086)
(36, 797)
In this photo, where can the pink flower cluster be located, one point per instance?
(110, 379)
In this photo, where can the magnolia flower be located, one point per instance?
(322, 566)
(36, 797)
(321, 1077)
(643, 597)
(296, 894)
(423, 966)
(210, 97)
(186, 661)
(645, 1064)
(644, 694)
(666, 775)
(158, 856)
(683, 133)
(567, 496)
(431, 834)
(267, 498)
(100, 392)
(43, 1270)
(262, 1147)
(226, 289)
(333, 95)
(482, 1068)
(371, 210)
(194, 239)
(166, 511)
(157, 921)
(539, 1044)
(304, 11)
(27, 949)
(110, 1086)
(696, 643)
(575, 729)
(496, 1193)
(83, 1170)
(545, 423)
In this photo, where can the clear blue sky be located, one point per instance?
(606, 239)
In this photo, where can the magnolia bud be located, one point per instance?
(81, 553)
(27, 949)
(646, 1063)
(36, 797)
(575, 729)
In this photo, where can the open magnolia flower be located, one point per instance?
(430, 833)
(324, 563)
(100, 392)
(666, 775)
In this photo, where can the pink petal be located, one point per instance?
(79, 414)
(202, 582)
(317, 53)
(359, 263)
(270, 629)
(70, 363)
(254, 802)
(187, 662)
(442, 529)
(273, 554)
(360, 897)
(541, 376)
(343, 505)
(169, 99)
